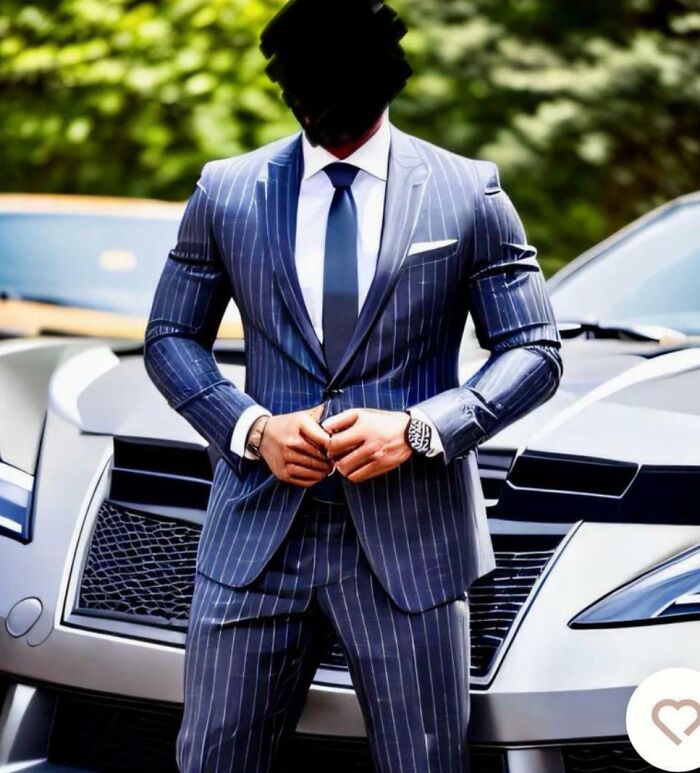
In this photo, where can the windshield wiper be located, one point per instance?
(587, 329)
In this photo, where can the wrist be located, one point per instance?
(255, 436)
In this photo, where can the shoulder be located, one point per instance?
(245, 166)
(483, 174)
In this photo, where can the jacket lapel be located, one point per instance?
(277, 192)
(406, 184)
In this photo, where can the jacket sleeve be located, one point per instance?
(514, 321)
(189, 302)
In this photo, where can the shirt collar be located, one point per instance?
(372, 157)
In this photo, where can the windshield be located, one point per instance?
(89, 261)
(651, 277)
(102, 262)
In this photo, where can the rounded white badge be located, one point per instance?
(663, 719)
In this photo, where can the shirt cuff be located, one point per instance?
(436, 446)
(239, 438)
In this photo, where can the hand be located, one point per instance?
(366, 442)
(294, 447)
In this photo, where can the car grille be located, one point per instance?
(111, 735)
(494, 599)
(302, 753)
(608, 757)
(140, 567)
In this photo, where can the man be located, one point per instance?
(346, 497)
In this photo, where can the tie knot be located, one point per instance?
(341, 175)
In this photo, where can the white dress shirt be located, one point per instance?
(315, 197)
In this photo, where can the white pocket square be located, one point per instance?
(417, 247)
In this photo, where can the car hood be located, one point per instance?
(612, 397)
(617, 400)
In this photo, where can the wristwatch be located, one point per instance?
(418, 435)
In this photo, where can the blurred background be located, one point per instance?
(592, 110)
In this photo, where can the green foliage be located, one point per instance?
(591, 110)
(131, 98)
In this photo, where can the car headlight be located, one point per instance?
(16, 488)
(669, 592)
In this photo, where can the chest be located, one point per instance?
(275, 251)
(313, 209)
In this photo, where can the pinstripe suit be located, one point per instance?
(422, 528)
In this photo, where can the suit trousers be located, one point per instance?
(252, 652)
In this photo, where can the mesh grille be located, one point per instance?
(139, 567)
(605, 758)
(494, 601)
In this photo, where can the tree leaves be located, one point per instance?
(591, 110)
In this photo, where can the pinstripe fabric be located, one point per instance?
(422, 526)
(252, 652)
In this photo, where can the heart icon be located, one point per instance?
(665, 729)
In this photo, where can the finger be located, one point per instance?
(316, 412)
(344, 442)
(300, 483)
(298, 472)
(309, 462)
(298, 444)
(312, 431)
(341, 421)
(299, 475)
(356, 459)
(367, 472)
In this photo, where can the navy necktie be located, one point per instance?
(340, 293)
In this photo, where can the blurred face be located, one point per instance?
(339, 65)
(340, 123)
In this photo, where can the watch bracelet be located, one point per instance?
(418, 435)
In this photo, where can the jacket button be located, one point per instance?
(332, 392)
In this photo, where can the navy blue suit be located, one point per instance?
(421, 528)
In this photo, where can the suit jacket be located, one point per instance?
(423, 526)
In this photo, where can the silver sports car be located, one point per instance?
(592, 502)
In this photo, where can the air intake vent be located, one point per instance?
(494, 465)
(495, 599)
(160, 473)
(304, 753)
(139, 568)
(113, 735)
(572, 474)
(609, 757)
